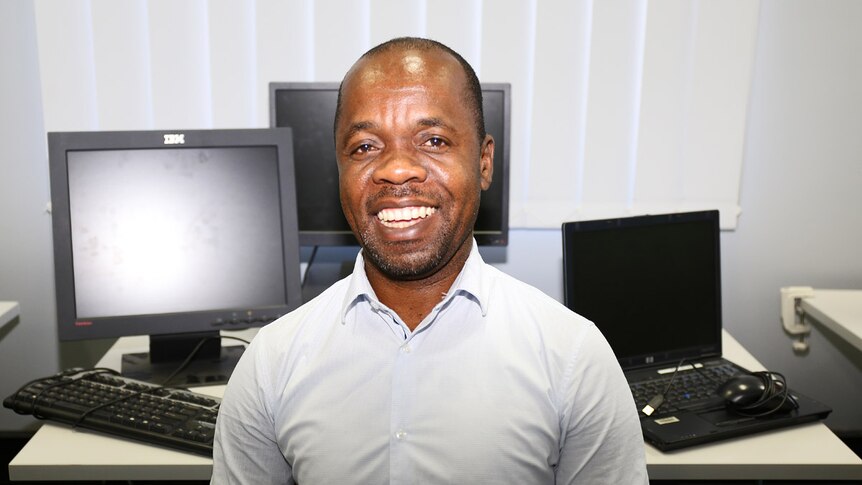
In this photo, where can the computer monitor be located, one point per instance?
(651, 283)
(175, 235)
(309, 109)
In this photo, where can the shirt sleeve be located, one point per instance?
(245, 449)
(602, 440)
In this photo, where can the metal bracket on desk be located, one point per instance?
(792, 316)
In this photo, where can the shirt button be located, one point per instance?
(400, 435)
(405, 348)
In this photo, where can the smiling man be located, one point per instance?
(413, 159)
(426, 365)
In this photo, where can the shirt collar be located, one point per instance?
(473, 281)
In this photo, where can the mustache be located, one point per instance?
(400, 191)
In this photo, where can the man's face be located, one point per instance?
(410, 163)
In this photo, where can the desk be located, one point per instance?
(805, 452)
(839, 311)
(8, 311)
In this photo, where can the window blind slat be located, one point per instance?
(66, 65)
(559, 105)
(462, 32)
(342, 33)
(122, 64)
(234, 80)
(285, 46)
(396, 18)
(507, 56)
(179, 53)
(614, 101)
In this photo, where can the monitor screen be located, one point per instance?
(309, 109)
(162, 233)
(651, 284)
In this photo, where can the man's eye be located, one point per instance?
(435, 142)
(363, 149)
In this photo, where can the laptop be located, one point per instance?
(652, 285)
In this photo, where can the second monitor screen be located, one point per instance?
(309, 109)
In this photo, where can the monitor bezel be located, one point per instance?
(72, 327)
(502, 154)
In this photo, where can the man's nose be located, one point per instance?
(400, 165)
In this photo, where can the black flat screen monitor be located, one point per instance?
(309, 109)
(175, 235)
(651, 284)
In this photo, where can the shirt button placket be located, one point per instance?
(403, 395)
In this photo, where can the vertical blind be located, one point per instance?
(619, 107)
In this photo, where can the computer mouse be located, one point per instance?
(757, 394)
(742, 389)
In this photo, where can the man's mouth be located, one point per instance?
(404, 216)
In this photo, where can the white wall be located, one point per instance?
(28, 347)
(800, 200)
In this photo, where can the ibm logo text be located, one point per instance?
(175, 139)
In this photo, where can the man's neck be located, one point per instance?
(413, 300)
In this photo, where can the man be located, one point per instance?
(425, 365)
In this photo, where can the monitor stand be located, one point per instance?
(212, 364)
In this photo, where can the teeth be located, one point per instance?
(403, 217)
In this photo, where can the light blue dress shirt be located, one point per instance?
(499, 384)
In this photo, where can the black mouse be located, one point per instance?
(748, 393)
(742, 389)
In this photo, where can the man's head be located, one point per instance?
(412, 157)
(472, 95)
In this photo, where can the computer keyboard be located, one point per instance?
(695, 388)
(103, 401)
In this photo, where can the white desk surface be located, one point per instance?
(8, 311)
(809, 451)
(838, 310)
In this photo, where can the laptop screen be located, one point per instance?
(651, 284)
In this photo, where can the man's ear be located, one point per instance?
(486, 162)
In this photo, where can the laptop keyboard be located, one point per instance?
(691, 389)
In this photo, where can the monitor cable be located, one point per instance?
(194, 353)
(308, 266)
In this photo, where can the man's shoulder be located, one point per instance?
(523, 293)
(513, 297)
(320, 310)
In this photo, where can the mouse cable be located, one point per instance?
(658, 399)
(775, 385)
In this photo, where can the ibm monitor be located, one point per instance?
(176, 235)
